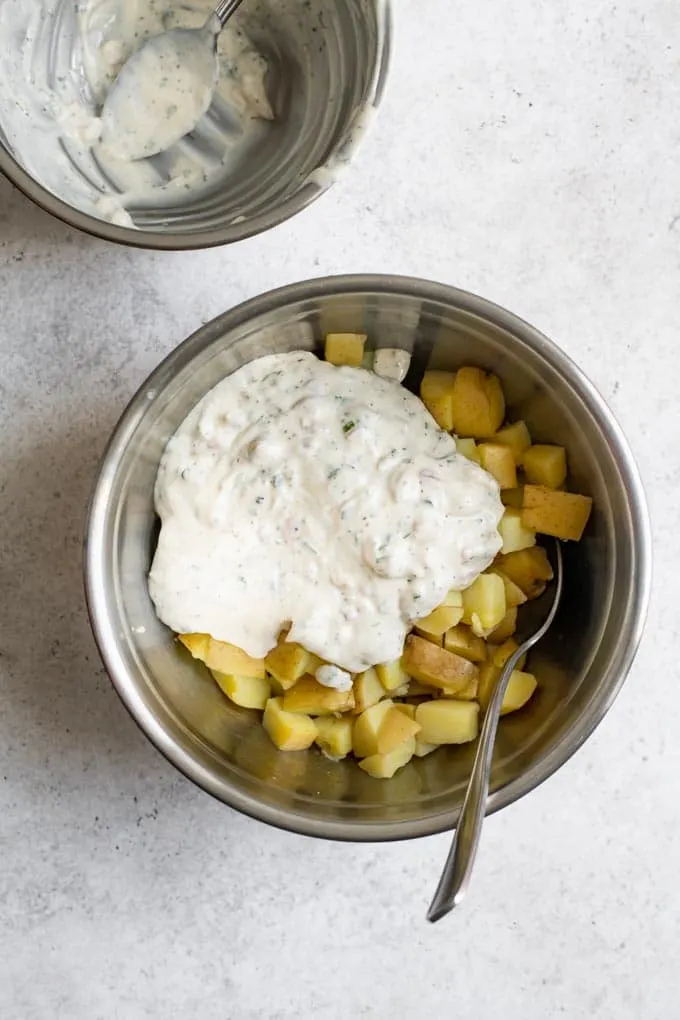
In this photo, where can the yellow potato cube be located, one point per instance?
(516, 437)
(384, 766)
(484, 603)
(367, 728)
(467, 693)
(246, 691)
(521, 687)
(448, 722)
(454, 598)
(334, 737)
(392, 675)
(309, 697)
(560, 514)
(514, 534)
(529, 569)
(436, 666)
(545, 465)
(367, 690)
(513, 497)
(488, 677)
(463, 642)
(345, 348)
(221, 656)
(499, 654)
(395, 728)
(288, 731)
(408, 710)
(478, 404)
(500, 463)
(506, 628)
(436, 391)
(468, 448)
(288, 662)
(514, 596)
(423, 748)
(438, 621)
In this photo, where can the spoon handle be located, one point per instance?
(225, 9)
(455, 877)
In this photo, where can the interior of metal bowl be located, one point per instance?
(328, 61)
(580, 664)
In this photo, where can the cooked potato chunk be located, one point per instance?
(423, 748)
(516, 437)
(221, 656)
(395, 728)
(367, 728)
(436, 392)
(520, 688)
(367, 690)
(513, 497)
(513, 532)
(514, 596)
(529, 569)
(467, 693)
(499, 654)
(560, 514)
(288, 731)
(409, 710)
(477, 402)
(392, 675)
(488, 676)
(345, 348)
(500, 463)
(448, 722)
(436, 666)
(334, 737)
(545, 465)
(468, 448)
(246, 691)
(438, 621)
(309, 697)
(506, 628)
(454, 598)
(463, 642)
(288, 662)
(384, 766)
(484, 603)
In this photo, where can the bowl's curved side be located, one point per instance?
(620, 555)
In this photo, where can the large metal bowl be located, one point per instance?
(329, 61)
(581, 665)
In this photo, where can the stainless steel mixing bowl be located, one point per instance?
(581, 665)
(329, 62)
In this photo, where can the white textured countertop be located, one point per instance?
(527, 152)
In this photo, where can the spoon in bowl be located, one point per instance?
(164, 89)
(455, 877)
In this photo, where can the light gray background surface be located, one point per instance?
(527, 151)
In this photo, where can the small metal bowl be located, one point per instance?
(329, 64)
(581, 664)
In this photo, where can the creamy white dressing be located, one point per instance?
(297, 493)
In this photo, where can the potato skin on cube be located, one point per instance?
(345, 348)
(448, 722)
(436, 392)
(287, 731)
(560, 514)
(478, 403)
(437, 667)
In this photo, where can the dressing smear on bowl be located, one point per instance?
(325, 499)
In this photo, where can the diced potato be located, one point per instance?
(246, 691)
(467, 693)
(288, 731)
(513, 497)
(436, 392)
(506, 628)
(448, 722)
(484, 603)
(529, 569)
(408, 710)
(395, 728)
(367, 728)
(560, 514)
(309, 697)
(545, 465)
(521, 687)
(384, 766)
(514, 533)
(345, 348)
(221, 656)
(499, 654)
(488, 677)
(334, 737)
(367, 690)
(478, 404)
(423, 748)
(463, 642)
(500, 463)
(514, 596)
(392, 675)
(468, 448)
(438, 621)
(288, 662)
(516, 437)
(454, 598)
(436, 666)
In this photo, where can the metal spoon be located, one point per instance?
(164, 89)
(455, 877)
